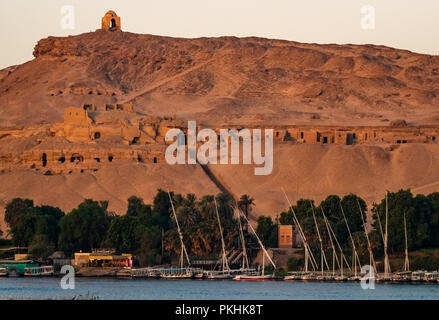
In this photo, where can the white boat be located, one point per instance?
(3, 272)
(219, 275)
(418, 276)
(39, 271)
(177, 273)
(293, 276)
(308, 277)
(254, 277)
(431, 276)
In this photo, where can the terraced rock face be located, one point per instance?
(222, 80)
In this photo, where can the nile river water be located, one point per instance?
(49, 288)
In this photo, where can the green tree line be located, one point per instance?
(146, 230)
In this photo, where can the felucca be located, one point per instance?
(181, 272)
(355, 257)
(322, 251)
(224, 273)
(308, 253)
(262, 276)
(369, 248)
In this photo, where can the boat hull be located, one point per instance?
(244, 277)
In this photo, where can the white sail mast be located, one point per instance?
(406, 261)
(322, 251)
(371, 258)
(245, 263)
(308, 252)
(386, 257)
(334, 255)
(183, 248)
(355, 257)
(225, 264)
(259, 240)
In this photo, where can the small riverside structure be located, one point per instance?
(17, 267)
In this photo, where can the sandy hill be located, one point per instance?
(226, 79)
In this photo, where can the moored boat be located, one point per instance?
(418, 276)
(39, 271)
(219, 275)
(254, 277)
(177, 273)
(3, 272)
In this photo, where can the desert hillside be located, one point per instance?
(219, 82)
(311, 171)
(222, 80)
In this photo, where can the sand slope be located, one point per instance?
(311, 171)
(316, 171)
(116, 183)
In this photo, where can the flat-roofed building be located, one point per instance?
(288, 237)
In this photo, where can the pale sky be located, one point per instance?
(405, 24)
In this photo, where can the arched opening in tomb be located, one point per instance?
(110, 158)
(113, 23)
(62, 159)
(325, 140)
(155, 160)
(135, 140)
(97, 135)
(139, 158)
(98, 160)
(44, 159)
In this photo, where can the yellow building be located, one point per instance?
(103, 260)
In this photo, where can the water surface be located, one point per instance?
(49, 288)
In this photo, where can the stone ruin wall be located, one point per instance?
(142, 139)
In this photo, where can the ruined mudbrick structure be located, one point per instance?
(91, 136)
(111, 22)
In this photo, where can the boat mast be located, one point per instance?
(263, 265)
(308, 252)
(225, 264)
(336, 241)
(322, 251)
(334, 255)
(406, 261)
(259, 240)
(355, 256)
(386, 257)
(371, 258)
(244, 250)
(341, 260)
(183, 247)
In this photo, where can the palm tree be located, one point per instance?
(245, 204)
(206, 206)
(226, 205)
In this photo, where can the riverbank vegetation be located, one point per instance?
(149, 230)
